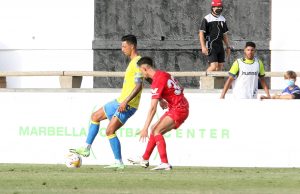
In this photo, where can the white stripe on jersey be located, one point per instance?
(211, 18)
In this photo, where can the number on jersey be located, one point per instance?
(172, 83)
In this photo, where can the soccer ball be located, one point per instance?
(73, 160)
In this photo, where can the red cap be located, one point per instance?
(216, 3)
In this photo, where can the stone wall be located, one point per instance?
(167, 30)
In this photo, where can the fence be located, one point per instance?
(73, 79)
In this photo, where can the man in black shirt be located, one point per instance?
(212, 33)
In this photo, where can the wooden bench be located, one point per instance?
(73, 79)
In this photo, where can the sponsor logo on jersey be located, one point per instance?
(249, 73)
(154, 91)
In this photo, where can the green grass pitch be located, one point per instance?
(25, 178)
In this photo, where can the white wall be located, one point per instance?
(285, 41)
(217, 132)
(46, 35)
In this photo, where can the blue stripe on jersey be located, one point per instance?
(295, 90)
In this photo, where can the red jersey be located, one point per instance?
(166, 87)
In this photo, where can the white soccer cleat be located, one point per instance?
(139, 161)
(163, 166)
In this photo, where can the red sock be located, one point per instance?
(150, 146)
(161, 147)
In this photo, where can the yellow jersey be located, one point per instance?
(132, 76)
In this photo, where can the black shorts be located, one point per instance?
(216, 54)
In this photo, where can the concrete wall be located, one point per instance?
(178, 22)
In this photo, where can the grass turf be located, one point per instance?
(24, 178)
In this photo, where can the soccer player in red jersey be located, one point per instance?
(168, 93)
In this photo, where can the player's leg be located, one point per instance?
(212, 60)
(164, 125)
(96, 117)
(144, 160)
(99, 115)
(212, 67)
(150, 145)
(170, 120)
(114, 141)
(220, 67)
(117, 121)
(220, 58)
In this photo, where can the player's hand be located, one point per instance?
(143, 135)
(262, 97)
(276, 96)
(205, 50)
(163, 104)
(122, 107)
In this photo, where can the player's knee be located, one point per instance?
(156, 132)
(154, 129)
(213, 67)
(109, 132)
(94, 117)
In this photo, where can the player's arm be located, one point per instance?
(225, 36)
(265, 86)
(163, 103)
(151, 113)
(138, 87)
(232, 75)
(284, 97)
(226, 41)
(203, 28)
(227, 86)
(203, 43)
(262, 78)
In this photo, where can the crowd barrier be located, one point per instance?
(73, 79)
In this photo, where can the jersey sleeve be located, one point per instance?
(234, 69)
(203, 25)
(261, 69)
(225, 28)
(296, 90)
(285, 91)
(138, 76)
(157, 88)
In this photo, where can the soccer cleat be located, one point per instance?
(118, 166)
(81, 151)
(140, 161)
(163, 166)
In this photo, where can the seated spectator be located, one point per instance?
(292, 91)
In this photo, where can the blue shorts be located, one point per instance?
(111, 109)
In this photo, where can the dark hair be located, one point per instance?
(131, 39)
(251, 44)
(145, 60)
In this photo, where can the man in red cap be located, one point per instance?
(212, 34)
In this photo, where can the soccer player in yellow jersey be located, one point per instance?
(120, 109)
(244, 75)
